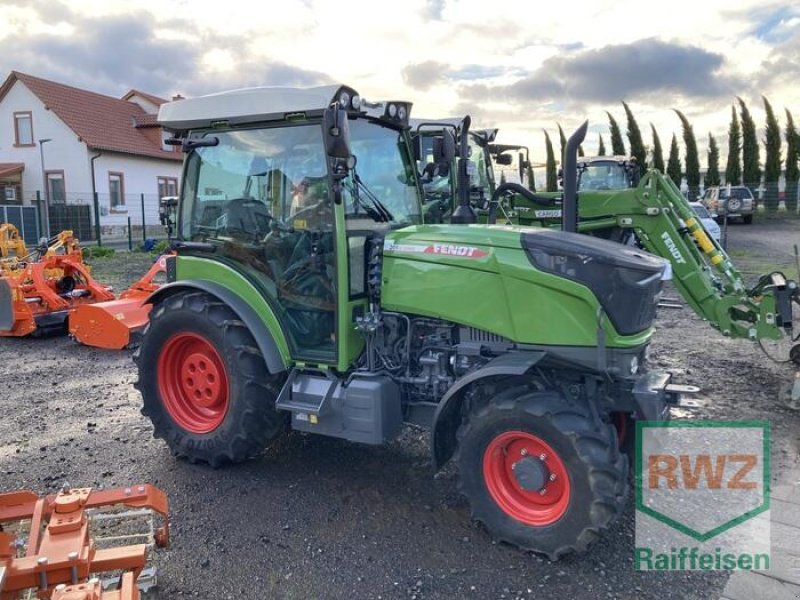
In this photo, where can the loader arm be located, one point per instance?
(665, 225)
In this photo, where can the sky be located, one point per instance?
(521, 66)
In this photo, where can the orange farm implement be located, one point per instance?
(58, 560)
(111, 324)
(40, 289)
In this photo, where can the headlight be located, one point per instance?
(344, 99)
(356, 102)
(401, 113)
(392, 110)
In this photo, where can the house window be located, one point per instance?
(167, 186)
(116, 190)
(56, 191)
(23, 129)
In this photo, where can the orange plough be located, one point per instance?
(112, 324)
(59, 560)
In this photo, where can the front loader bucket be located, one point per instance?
(109, 325)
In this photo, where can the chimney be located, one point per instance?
(177, 97)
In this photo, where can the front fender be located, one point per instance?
(447, 418)
(275, 360)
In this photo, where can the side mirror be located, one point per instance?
(448, 146)
(337, 133)
(504, 159)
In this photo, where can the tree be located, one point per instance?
(658, 153)
(733, 169)
(601, 147)
(674, 162)
(772, 159)
(792, 168)
(692, 160)
(638, 151)
(751, 172)
(617, 145)
(712, 174)
(550, 165)
(563, 140)
(502, 177)
(531, 179)
(580, 151)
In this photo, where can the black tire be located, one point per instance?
(597, 471)
(747, 219)
(247, 421)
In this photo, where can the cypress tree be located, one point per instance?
(712, 174)
(531, 180)
(638, 151)
(563, 140)
(658, 153)
(580, 150)
(772, 159)
(550, 166)
(674, 162)
(792, 168)
(617, 145)
(733, 169)
(502, 177)
(601, 147)
(751, 172)
(692, 160)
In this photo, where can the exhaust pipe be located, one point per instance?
(463, 213)
(569, 219)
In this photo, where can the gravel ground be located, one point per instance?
(321, 518)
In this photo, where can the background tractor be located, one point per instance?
(306, 292)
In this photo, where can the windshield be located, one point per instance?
(603, 176)
(251, 176)
(701, 211)
(385, 170)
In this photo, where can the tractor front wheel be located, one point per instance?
(540, 472)
(204, 383)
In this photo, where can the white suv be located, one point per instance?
(740, 205)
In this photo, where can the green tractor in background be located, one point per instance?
(307, 293)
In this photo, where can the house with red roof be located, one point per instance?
(67, 143)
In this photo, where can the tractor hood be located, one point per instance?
(522, 283)
(454, 244)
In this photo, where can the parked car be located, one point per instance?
(739, 205)
(711, 226)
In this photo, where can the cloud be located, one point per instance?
(112, 54)
(433, 9)
(424, 75)
(642, 68)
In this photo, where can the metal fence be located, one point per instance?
(118, 221)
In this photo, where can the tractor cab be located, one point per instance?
(266, 194)
(607, 173)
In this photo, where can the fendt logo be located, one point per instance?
(673, 248)
(450, 250)
(702, 495)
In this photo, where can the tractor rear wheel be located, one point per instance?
(540, 472)
(204, 384)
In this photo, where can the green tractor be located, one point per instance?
(307, 293)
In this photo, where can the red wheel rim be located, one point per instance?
(502, 462)
(193, 383)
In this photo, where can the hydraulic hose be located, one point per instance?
(521, 191)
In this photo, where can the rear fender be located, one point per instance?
(447, 418)
(275, 360)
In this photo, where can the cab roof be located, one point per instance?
(251, 105)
